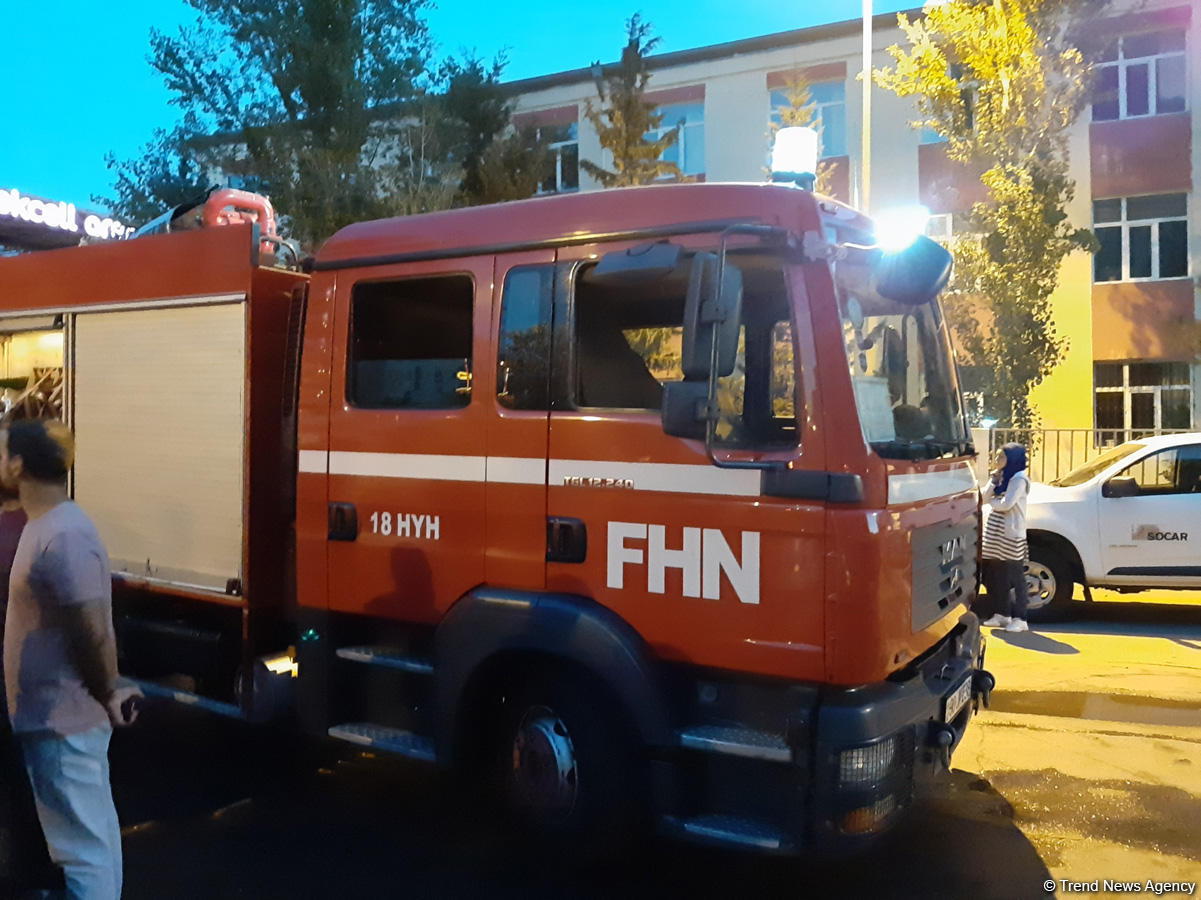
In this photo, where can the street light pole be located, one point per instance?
(865, 171)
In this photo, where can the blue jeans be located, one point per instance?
(69, 774)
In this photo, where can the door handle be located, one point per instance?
(566, 540)
(343, 522)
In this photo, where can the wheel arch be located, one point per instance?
(490, 634)
(1061, 545)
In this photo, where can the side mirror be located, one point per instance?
(685, 409)
(711, 309)
(1120, 487)
(916, 274)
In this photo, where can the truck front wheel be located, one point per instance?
(564, 765)
(1049, 584)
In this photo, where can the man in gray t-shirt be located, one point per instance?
(60, 661)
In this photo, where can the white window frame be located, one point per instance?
(1127, 390)
(1125, 224)
(682, 141)
(556, 148)
(1122, 63)
(819, 115)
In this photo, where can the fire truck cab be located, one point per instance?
(659, 491)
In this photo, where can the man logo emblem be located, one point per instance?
(950, 550)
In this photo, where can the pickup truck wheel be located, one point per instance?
(1049, 585)
(564, 763)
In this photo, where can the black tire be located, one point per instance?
(1050, 584)
(564, 762)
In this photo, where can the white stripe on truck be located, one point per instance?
(672, 478)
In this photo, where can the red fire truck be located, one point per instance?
(646, 504)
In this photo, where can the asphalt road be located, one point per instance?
(1087, 766)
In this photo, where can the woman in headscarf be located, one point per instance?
(1004, 552)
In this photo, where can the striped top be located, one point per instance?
(1005, 528)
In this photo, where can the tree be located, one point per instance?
(163, 176)
(295, 90)
(513, 166)
(626, 116)
(1002, 81)
(800, 110)
(496, 160)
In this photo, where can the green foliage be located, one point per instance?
(475, 113)
(456, 146)
(1003, 83)
(163, 176)
(497, 161)
(626, 116)
(332, 107)
(659, 349)
(513, 166)
(293, 90)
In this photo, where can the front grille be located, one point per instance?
(944, 568)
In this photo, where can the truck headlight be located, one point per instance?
(865, 765)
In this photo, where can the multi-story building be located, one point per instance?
(1131, 313)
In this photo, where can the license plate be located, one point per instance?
(957, 700)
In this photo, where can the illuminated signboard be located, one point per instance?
(35, 223)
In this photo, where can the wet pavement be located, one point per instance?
(1087, 766)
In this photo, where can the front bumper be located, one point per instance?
(875, 745)
(845, 762)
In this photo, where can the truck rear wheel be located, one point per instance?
(1049, 585)
(564, 764)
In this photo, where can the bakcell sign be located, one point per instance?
(60, 223)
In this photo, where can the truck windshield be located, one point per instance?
(901, 367)
(1085, 472)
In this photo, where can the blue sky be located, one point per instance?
(78, 85)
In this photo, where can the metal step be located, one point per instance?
(736, 742)
(188, 698)
(390, 740)
(728, 830)
(389, 657)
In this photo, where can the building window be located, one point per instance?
(829, 115)
(563, 167)
(1142, 397)
(1141, 75)
(938, 227)
(410, 343)
(1141, 237)
(688, 152)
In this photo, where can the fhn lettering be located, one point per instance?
(702, 558)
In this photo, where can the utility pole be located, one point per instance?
(865, 171)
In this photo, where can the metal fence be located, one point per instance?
(1056, 451)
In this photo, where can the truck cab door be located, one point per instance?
(518, 418)
(698, 559)
(1157, 532)
(406, 459)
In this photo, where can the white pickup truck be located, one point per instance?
(1129, 519)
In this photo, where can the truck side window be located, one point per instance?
(410, 343)
(523, 357)
(627, 345)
